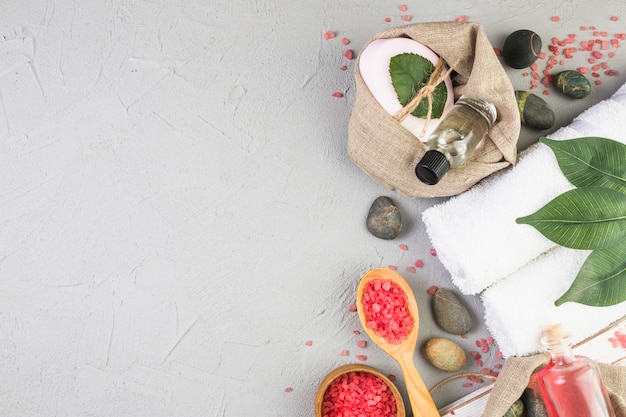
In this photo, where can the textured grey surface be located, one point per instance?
(179, 212)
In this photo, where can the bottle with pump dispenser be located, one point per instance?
(571, 385)
(455, 138)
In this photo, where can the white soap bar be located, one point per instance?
(374, 69)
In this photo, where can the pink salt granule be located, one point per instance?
(357, 394)
(386, 310)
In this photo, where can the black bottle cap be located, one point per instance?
(432, 167)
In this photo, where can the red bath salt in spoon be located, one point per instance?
(388, 312)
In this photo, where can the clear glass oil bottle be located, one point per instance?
(455, 138)
(571, 385)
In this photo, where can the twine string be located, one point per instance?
(426, 91)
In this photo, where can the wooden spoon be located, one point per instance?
(421, 401)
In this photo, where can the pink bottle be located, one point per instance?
(571, 385)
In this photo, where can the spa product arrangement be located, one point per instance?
(420, 112)
(413, 75)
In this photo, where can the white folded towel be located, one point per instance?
(520, 272)
(520, 306)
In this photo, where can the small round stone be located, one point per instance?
(534, 111)
(383, 219)
(573, 84)
(516, 409)
(532, 398)
(444, 354)
(521, 48)
(450, 313)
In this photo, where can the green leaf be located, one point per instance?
(601, 280)
(591, 161)
(582, 218)
(409, 73)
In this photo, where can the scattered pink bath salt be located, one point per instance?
(406, 18)
(486, 371)
(402, 246)
(555, 18)
(329, 35)
(352, 308)
(309, 343)
(348, 54)
(356, 331)
(393, 267)
(361, 357)
(614, 18)
(343, 68)
(461, 19)
(361, 343)
(419, 263)
(497, 51)
(467, 385)
(597, 54)
(386, 310)
(288, 389)
(497, 366)
(391, 377)
(433, 252)
(432, 290)
(499, 354)
(345, 41)
(387, 19)
(358, 394)
(402, 7)
(343, 352)
(337, 94)
(410, 269)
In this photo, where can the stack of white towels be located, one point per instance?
(518, 272)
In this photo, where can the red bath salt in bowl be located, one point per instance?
(386, 310)
(358, 391)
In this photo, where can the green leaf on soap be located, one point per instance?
(601, 280)
(582, 218)
(409, 73)
(591, 161)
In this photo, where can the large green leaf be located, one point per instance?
(582, 218)
(601, 280)
(591, 161)
(409, 73)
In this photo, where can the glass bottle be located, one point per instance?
(571, 385)
(456, 137)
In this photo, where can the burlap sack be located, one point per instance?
(516, 373)
(388, 152)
